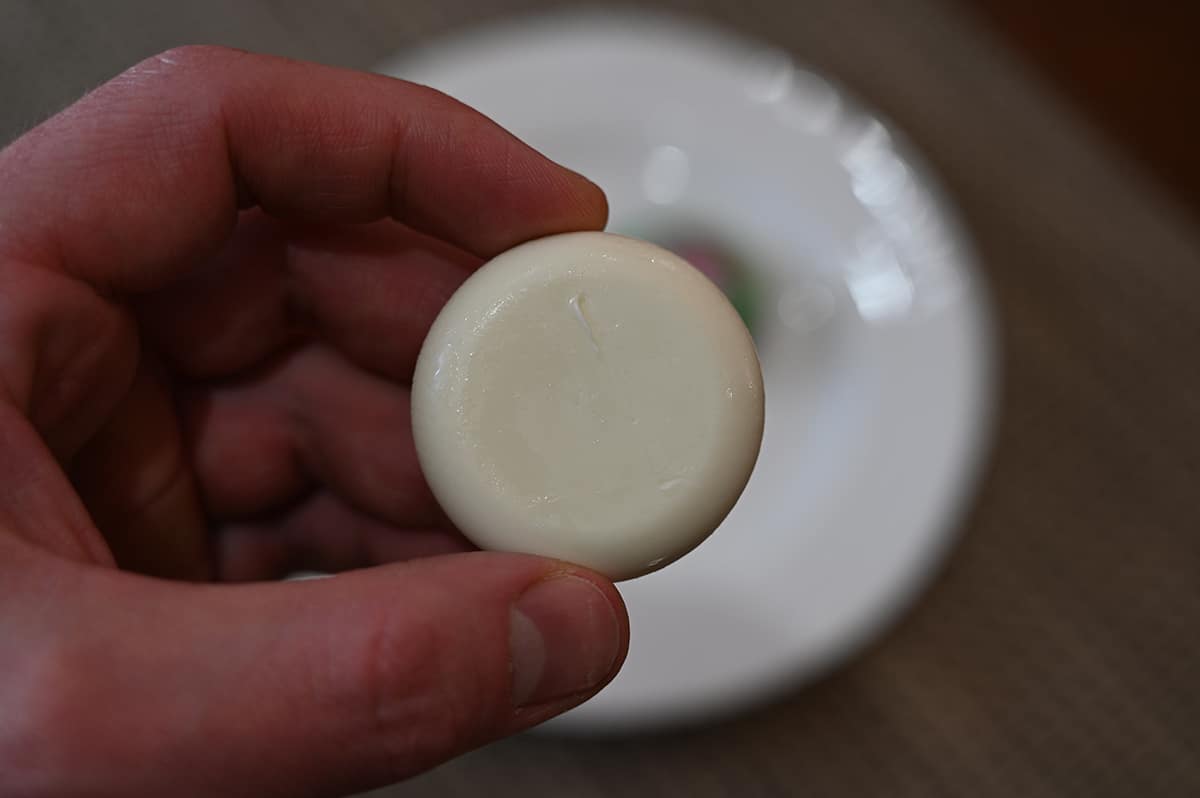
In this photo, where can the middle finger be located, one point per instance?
(371, 291)
(313, 418)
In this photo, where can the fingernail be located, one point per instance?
(565, 638)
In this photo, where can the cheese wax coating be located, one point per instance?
(591, 398)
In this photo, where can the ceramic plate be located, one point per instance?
(861, 291)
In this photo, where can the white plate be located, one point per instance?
(874, 337)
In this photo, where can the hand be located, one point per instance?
(212, 294)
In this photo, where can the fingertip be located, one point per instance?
(591, 202)
(540, 198)
(567, 638)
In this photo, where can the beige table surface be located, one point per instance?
(1058, 653)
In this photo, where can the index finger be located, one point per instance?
(145, 175)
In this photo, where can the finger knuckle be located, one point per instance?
(71, 339)
(192, 55)
(421, 706)
(41, 731)
(174, 65)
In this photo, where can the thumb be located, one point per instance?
(319, 687)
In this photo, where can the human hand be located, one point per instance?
(212, 295)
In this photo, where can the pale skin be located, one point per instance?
(215, 275)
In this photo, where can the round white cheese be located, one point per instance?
(588, 397)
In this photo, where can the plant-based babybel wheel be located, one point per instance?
(588, 397)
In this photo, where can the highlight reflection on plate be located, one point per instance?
(863, 297)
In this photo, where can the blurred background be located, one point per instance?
(1056, 651)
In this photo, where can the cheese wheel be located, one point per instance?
(591, 398)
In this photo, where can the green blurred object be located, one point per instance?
(719, 262)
